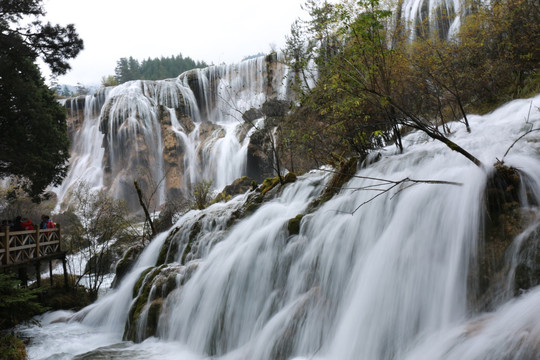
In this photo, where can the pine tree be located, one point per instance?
(17, 303)
(35, 145)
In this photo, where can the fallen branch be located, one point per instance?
(395, 183)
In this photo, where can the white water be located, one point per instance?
(86, 150)
(387, 282)
(441, 17)
(121, 137)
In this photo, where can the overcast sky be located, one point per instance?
(214, 31)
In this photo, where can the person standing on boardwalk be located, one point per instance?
(46, 222)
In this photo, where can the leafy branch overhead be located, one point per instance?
(55, 44)
(35, 145)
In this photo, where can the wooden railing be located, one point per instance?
(18, 247)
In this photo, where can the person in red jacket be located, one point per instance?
(26, 224)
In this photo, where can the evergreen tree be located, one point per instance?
(35, 146)
(128, 69)
(17, 304)
(66, 92)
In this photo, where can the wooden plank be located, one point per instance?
(22, 247)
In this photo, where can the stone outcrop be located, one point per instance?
(261, 152)
(505, 219)
(259, 162)
(126, 263)
(172, 151)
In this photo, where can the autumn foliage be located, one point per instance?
(378, 77)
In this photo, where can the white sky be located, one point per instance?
(214, 31)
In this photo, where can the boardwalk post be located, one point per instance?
(38, 273)
(59, 237)
(37, 242)
(6, 245)
(65, 272)
(50, 272)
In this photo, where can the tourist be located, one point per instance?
(46, 222)
(17, 224)
(26, 224)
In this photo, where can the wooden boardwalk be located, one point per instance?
(22, 249)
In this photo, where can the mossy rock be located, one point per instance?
(163, 280)
(12, 348)
(152, 319)
(502, 188)
(289, 178)
(169, 248)
(195, 230)
(126, 263)
(294, 224)
(345, 172)
(268, 184)
(238, 186)
(505, 219)
(140, 281)
(141, 292)
(527, 271)
(252, 205)
(271, 182)
(275, 108)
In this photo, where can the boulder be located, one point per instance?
(259, 162)
(505, 219)
(275, 108)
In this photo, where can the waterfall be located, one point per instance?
(371, 274)
(86, 150)
(440, 17)
(169, 134)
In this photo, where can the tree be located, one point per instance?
(367, 90)
(100, 220)
(82, 90)
(202, 194)
(34, 144)
(66, 92)
(128, 69)
(17, 303)
(497, 50)
(109, 81)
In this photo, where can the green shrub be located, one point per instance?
(17, 304)
(12, 348)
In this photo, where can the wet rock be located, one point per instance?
(238, 186)
(345, 171)
(275, 108)
(126, 263)
(504, 220)
(259, 161)
(152, 288)
(294, 224)
(100, 264)
(252, 115)
(527, 260)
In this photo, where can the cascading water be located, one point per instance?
(86, 150)
(440, 17)
(169, 134)
(386, 280)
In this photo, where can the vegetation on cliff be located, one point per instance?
(377, 77)
(154, 69)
